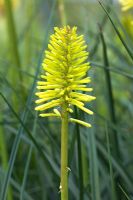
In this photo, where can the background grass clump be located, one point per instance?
(100, 158)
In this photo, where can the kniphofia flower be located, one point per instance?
(65, 75)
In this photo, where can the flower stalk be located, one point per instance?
(64, 154)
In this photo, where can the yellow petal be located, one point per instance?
(70, 110)
(82, 108)
(57, 112)
(48, 105)
(80, 122)
(48, 115)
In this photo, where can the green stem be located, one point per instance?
(64, 128)
(64, 154)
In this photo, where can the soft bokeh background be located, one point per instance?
(100, 158)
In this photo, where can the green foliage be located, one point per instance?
(100, 158)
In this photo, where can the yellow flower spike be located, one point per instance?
(63, 85)
(65, 70)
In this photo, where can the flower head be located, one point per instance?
(64, 78)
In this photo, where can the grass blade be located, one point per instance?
(114, 70)
(15, 185)
(125, 194)
(13, 41)
(79, 149)
(94, 172)
(111, 107)
(130, 53)
(4, 155)
(28, 161)
(24, 117)
(95, 47)
(113, 193)
(119, 170)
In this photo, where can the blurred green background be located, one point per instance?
(100, 158)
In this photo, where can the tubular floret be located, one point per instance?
(64, 78)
